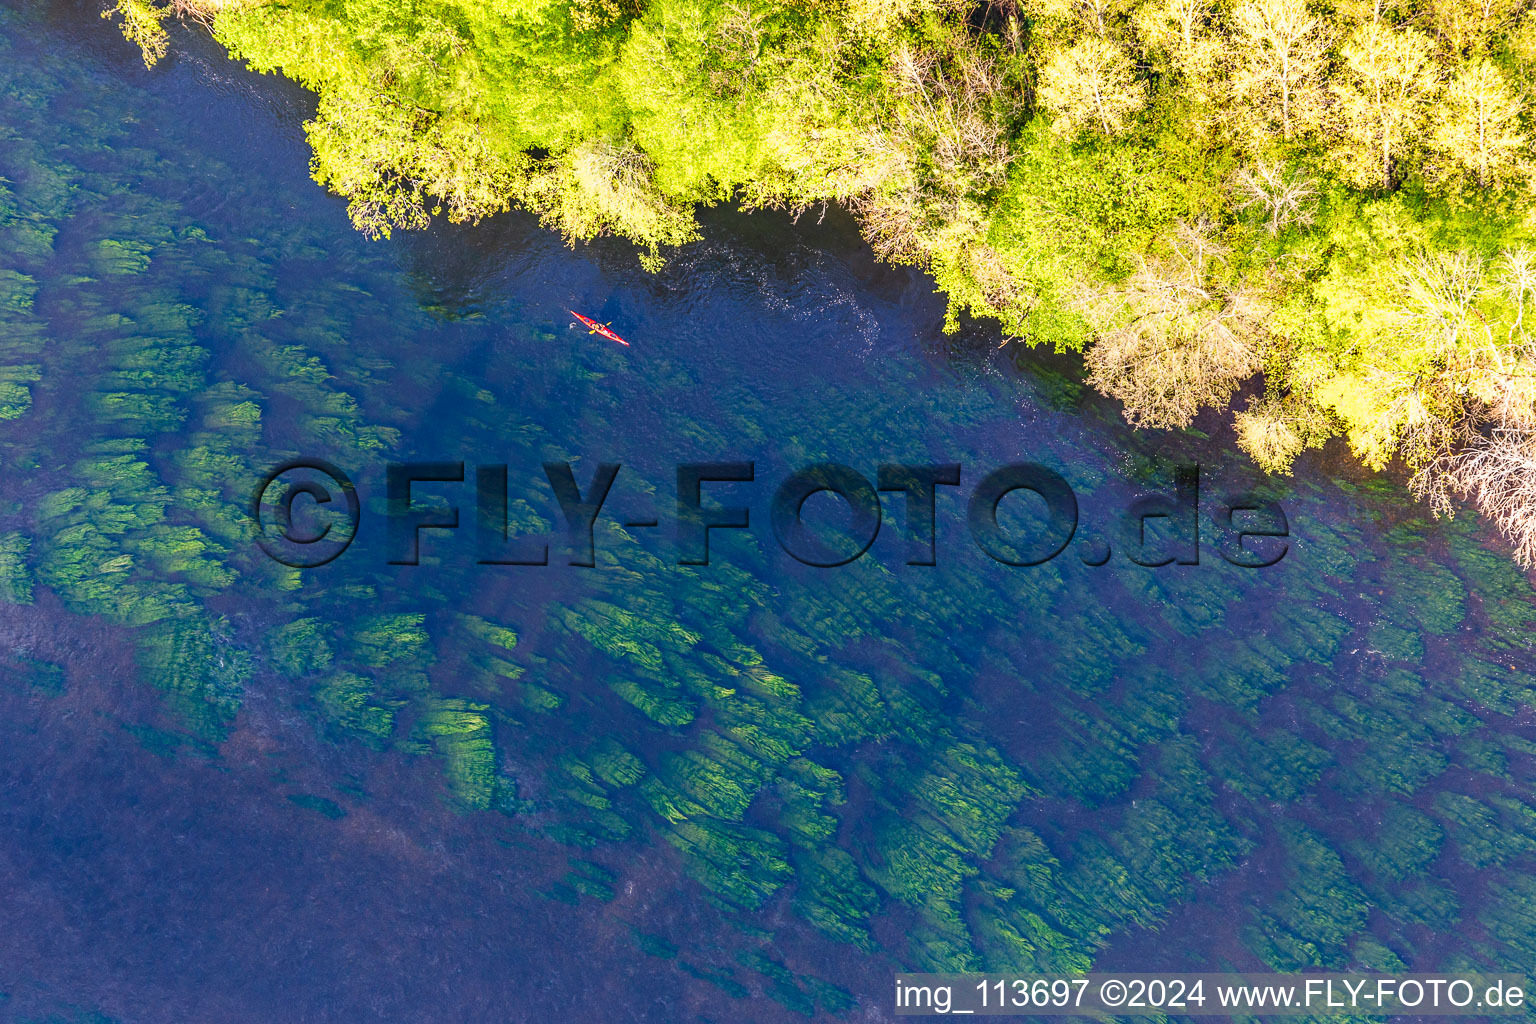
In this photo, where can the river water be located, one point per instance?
(748, 790)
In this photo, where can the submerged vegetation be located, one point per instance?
(1336, 194)
(1332, 763)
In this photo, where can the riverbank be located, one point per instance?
(1336, 199)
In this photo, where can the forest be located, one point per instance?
(1332, 199)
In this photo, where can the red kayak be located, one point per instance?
(593, 327)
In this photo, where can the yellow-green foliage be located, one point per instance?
(143, 25)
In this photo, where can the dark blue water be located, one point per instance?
(748, 790)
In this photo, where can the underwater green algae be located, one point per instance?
(999, 770)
